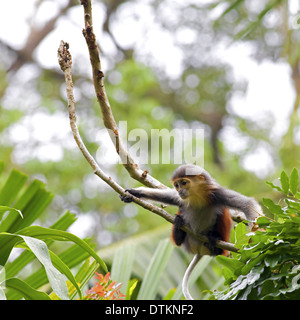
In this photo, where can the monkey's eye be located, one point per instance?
(176, 185)
(183, 182)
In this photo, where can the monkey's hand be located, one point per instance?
(178, 221)
(128, 198)
(178, 235)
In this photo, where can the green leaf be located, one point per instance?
(14, 267)
(65, 221)
(272, 260)
(72, 257)
(122, 265)
(154, 271)
(25, 290)
(263, 222)
(32, 203)
(40, 250)
(274, 208)
(253, 263)
(56, 279)
(132, 284)
(273, 186)
(27, 235)
(284, 179)
(4, 209)
(294, 181)
(33, 209)
(231, 264)
(11, 188)
(63, 268)
(170, 294)
(7, 241)
(40, 232)
(241, 237)
(84, 274)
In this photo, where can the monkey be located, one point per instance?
(204, 206)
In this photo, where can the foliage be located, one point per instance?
(144, 271)
(144, 264)
(16, 231)
(269, 266)
(141, 91)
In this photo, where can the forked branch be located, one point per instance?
(108, 117)
(65, 62)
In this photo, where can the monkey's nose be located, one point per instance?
(182, 194)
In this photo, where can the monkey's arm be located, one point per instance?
(235, 200)
(165, 196)
(178, 235)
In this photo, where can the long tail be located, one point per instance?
(189, 270)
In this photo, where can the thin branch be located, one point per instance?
(108, 118)
(65, 62)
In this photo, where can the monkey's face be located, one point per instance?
(182, 186)
(192, 189)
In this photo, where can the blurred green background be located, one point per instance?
(228, 67)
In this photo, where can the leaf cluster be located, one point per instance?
(143, 264)
(21, 205)
(267, 266)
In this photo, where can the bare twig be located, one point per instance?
(108, 118)
(65, 62)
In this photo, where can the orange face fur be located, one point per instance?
(193, 189)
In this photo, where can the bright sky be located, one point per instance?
(269, 92)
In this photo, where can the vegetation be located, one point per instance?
(167, 65)
(268, 267)
(17, 231)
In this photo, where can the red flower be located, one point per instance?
(105, 289)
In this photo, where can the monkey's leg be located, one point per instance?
(211, 245)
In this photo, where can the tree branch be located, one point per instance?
(65, 62)
(108, 118)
